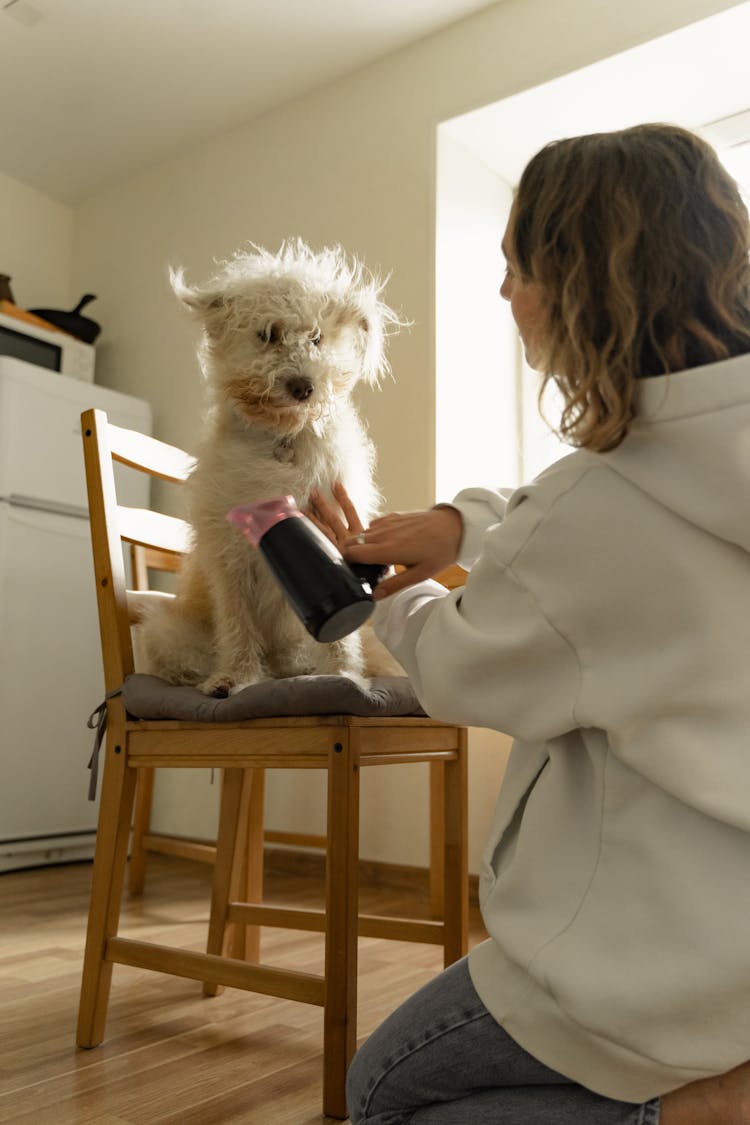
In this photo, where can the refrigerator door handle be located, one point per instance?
(58, 507)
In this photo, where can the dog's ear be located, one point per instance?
(375, 322)
(206, 303)
(372, 334)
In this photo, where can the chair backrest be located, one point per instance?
(156, 541)
(113, 525)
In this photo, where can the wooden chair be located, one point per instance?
(338, 744)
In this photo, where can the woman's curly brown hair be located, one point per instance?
(639, 241)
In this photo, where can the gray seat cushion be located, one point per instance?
(148, 697)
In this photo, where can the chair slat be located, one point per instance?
(154, 558)
(150, 455)
(154, 529)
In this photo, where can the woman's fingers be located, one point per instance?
(325, 514)
(321, 526)
(351, 514)
(408, 577)
(328, 516)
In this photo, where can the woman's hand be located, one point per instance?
(424, 543)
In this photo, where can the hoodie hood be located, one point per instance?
(689, 446)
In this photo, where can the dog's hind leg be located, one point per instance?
(172, 645)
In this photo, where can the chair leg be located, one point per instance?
(456, 876)
(437, 839)
(238, 870)
(245, 940)
(227, 868)
(110, 858)
(144, 794)
(342, 888)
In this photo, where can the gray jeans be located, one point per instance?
(441, 1059)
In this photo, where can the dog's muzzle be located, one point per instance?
(299, 387)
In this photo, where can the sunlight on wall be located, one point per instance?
(539, 446)
(476, 342)
(737, 162)
(488, 427)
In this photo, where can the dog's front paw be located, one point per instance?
(219, 686)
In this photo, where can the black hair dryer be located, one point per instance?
(331, 597)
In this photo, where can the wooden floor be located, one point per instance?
(171, 1056)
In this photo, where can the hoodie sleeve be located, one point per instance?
(480, 509)
(484, 655)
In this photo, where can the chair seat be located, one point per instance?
(148, 697)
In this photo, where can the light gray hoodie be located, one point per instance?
(606, 626)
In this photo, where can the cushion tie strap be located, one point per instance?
(97, 720)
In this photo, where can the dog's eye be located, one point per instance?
(270, 334)
(316, 339)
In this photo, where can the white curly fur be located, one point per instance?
(285, 339)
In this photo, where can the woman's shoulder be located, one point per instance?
(558, 478)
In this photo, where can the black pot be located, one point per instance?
(82, 327)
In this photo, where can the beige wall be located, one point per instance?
(36, 245)
(353, 163)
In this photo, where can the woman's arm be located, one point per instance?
(423, 543)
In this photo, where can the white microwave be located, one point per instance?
(57, 351)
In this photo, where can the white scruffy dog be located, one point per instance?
(286, 337)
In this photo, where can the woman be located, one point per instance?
(604, 625)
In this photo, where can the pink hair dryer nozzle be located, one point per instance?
(254, 520)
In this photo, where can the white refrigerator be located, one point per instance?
(50, 664)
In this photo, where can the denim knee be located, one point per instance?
(357, 1085)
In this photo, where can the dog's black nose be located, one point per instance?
(299, 387)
